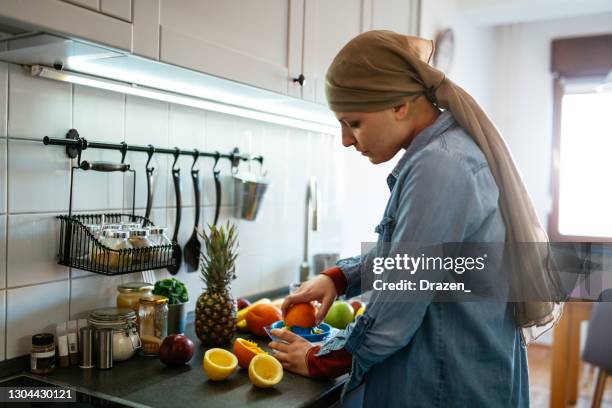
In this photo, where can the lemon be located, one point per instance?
(219, 364)
(360, 311)
(265, 371)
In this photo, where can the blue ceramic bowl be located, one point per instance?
(305, 333)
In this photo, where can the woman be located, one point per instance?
(455, 182)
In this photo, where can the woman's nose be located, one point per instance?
(348, 139)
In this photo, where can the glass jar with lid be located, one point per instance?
(139, 238)
(158, 236)
(116, 240)
(125, 333)
(130, 294)
(131, 225)
(42, 354)
(153, 315)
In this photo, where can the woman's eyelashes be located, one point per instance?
(353, 125)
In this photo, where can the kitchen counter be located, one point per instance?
(145, 380)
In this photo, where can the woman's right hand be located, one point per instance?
(321, 288)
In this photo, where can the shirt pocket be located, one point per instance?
(385, 229)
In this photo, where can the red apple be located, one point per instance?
(356, 305)
(242, 303)
(176, 349)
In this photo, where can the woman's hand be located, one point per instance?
(292, 355)
(320, 288)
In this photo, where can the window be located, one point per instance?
(582, 148)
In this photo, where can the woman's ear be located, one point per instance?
(401, 111)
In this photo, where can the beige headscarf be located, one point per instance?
(381, 69)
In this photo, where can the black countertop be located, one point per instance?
(145, 380)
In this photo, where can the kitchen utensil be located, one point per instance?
(104, 349)
(193, 246)
(177, 250)
(249, 192)
(325, 328)
(149, 171)
(216, 174)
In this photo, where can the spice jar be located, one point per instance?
(116, 240)
(123, 323)
(130, 293)
(158, 236)
(153, 315)
(131, 225)
(42, 354)
(139, 238)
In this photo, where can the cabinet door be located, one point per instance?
(252, 42)
(328, 26)
(68, 18)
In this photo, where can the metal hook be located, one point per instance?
(235, 159)
(196, 156)
(124, 149)
(262, 172)
(217, 157)
(176, 154)
(150, 153)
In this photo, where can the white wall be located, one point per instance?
(472, 66)
(523, 98)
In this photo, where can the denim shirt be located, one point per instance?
(426, 353)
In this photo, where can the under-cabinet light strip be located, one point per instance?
(145, 92)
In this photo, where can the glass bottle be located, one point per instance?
(153, 315)
(42, 354)
(139, 238)
(158, 236)
(116, 240)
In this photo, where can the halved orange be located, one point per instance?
(265, 371)
(219, 364)
(245, 350)
(301, 315)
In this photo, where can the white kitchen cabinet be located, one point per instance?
(254, 42)
(330, 24)
(77, 18)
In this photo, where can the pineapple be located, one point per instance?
(216, 309)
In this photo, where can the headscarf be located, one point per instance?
(382, 69)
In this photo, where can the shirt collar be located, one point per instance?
(442, 123)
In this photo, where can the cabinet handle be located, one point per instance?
(300, 80)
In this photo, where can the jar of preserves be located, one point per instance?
(130, 293)
(42, 354)
(153, 315)
(125, 333)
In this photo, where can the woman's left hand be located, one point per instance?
(292, 355)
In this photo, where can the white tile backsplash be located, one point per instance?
(2, 176)
(40, 292)
(38, 107)
(38, 177)
(3, 97)
(31, 310)
(33, 243)
(98, 115)
(146, 122)
(2, 323)
(92, 292)
(2, 251)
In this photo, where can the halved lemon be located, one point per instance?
(265, 371)
(219, 364)
(245, 350)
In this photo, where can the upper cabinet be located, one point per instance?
(103, 21)
(254, 42)
(284, 46)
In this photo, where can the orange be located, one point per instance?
(301, 315)
(260, 316)
(245, 350)
(265, 371)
